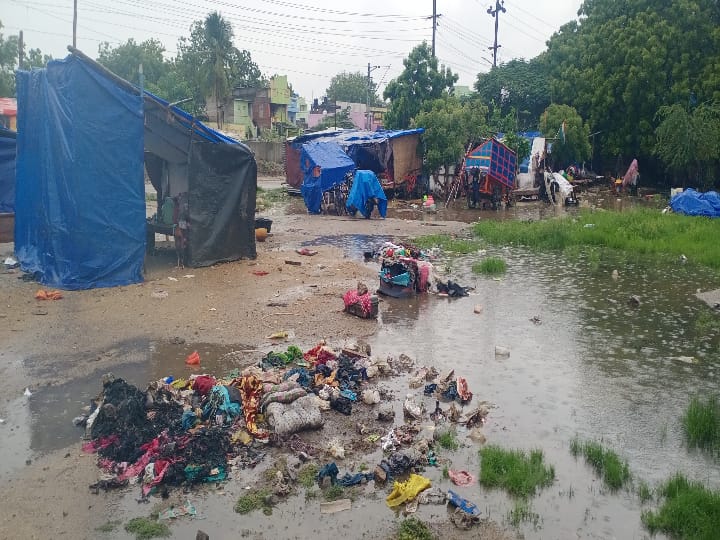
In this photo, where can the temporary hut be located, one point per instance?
(84, 138)
(324, 165)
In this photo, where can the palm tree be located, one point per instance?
(218, 37)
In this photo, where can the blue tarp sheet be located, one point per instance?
(366, 185)
(80, 202)
(7, 171)
(324, 165)
(694, 203)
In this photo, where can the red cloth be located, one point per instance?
(352, 297)
(203, 384)
(98, 444)
(318, 355)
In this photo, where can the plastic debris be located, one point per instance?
(278, 335)
(336, 449)
(370, 396)
(461, 478)
(43, 294)
(389, 441)
(463, 504)
(27, 392)
(11, 262)
(187, 509)
(412, 408)
(335, 506)
(193, 359)
(172, 278)
(406, 491)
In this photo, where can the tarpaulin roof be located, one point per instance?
(324, 165)
(366, 185)
(8, 144)
(356, 136)
(694, 203)
(80, 214)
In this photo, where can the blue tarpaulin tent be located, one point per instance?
(694, 203)
(324, 165)
(366, 185)
(80, 202)
(7, 170)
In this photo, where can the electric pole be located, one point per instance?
(499, 8)
(74, 24)
(368, 123)
(434, 25)
(21, 49)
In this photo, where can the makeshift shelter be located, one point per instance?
(694, 203)
(324, 166)
(84, 136)
(8, 144)
(394, 156)
(365, 187)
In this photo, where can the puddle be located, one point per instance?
(42, 422)
(353, 245)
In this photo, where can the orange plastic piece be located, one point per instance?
(48, 295)
(193, 359)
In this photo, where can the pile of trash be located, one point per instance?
(189, 431)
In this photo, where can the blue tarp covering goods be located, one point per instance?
(7, 170)
(694, 203)
(366, 186)
(324, 165)
(80, 203)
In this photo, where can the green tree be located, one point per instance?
(450, 126)
(575, 144)
(343, 121)
(209, 61)
(8, 63)
(688, 143)
(519, 85)
(36, 59)
(420, 81)
(124, 60)
(622, 61)
(351, 87)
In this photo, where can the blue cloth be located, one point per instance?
(694, 203)
(330, 470)
(348, 479)
(304, 379)
(219, 400)
(401, 279)
(188, 420)
(333, 165)
(80, 190)
(8, 144)
(366, 185)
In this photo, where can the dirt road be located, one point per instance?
(59, 345)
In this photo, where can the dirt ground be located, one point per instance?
(48, 343)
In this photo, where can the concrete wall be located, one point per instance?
(267, 151)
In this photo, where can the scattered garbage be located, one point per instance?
(10, 263)
(193, 359)
(293, 263)
(403, 492)
(634, 300)
(159, 294)
(478, 309)
(278, 335)
(463, 504)
(412, 408)
(43, 294)
(501, 351)
(461, 478)
(259, 273)
(27, 392)
(172, 278)
(174, 512)
(333, 507)
(371, 396)
(307, 252)
(299, 415)
(361, 303)
(536, 320)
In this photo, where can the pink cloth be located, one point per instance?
(461, 478)
(424, 269)
(631, 174)
(99, 444)
(352, 297)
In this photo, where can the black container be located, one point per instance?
(263, 223)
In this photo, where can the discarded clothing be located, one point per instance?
(462, 389)
(250, 391)
(452, 289)
(300, 415)
(303, 378)
(219, 402)
(432, 496)
(187, 509)
(463, 504)
(461, 478)
(285, 393)
(451, 393)
(342, 405)
(203, 384)
(330, 470)
(406, 491)
(320, 354)
(189, 419)
(361, 305)
(430, 389)
(348, 479)
(279, 359)
(352, 396)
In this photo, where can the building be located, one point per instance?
(8, 113)
(357, 112)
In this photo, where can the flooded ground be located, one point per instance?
(595, 367)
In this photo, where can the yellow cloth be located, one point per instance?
(408, 490)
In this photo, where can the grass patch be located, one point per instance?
(311, 494)
(265, 198)
(519, 473)
(522, 512)
(448, 440)
(445, 472)
(333, 493)
(490, 266)
(413, 529)
(689, 511)
(614, 471)
(308, 476)
(146, 528)
(701, 422)
(108, 527)
(643, 231)
(644, 492)
(460, 246)
(255, 500)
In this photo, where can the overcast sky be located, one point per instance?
(310, 41)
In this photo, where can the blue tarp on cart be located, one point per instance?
(366, 185)
(324, 165)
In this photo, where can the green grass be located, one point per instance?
(110, 526)
(414, 529)
(644, 492)
(445, 472)
(701, 422)
(519, 473)
(491, 266)
(265, 198)
(614, 471)
(307, 477)
(522, 512)
(448, 440)
(146, 528)
(689, 511)
(333, 493)
(254, 500)
(450, 244)
(643, 231)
